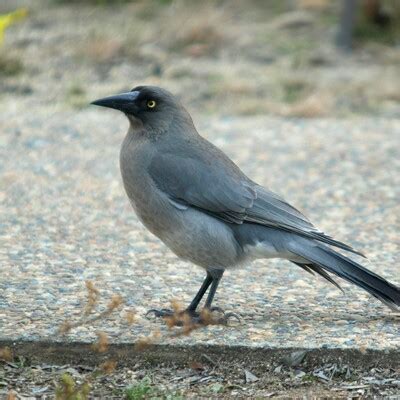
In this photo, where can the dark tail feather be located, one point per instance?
(320, 256)
(311, 268)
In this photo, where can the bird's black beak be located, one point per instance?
(124, 102)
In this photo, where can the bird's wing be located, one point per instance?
(223, 191)
(272, 210)
(190, 182)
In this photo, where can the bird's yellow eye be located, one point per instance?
(151, 104)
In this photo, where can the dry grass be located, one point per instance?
(92, 300)
(231, 58)
(203, 30)
(11, 395)
(179, 323)
(103, 49)
(316, 105)
(6, 354)
(68, 389)
(145, 342)
(101, 346)
(93, 295)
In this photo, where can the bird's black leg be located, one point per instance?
(224, 319)
(216, 276)
(165, 312)
(213, 278)
(196, 300)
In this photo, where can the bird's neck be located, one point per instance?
(135, 123)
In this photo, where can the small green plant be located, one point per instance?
(294, 90)
(173, 396)
(217, 388)
(309, 378)
(139, 391)
(67, 389)
(10, 66)
(144, 390)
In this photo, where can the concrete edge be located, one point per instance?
(81, 353)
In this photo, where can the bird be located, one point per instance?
(192, 196)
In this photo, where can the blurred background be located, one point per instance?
(292, 58)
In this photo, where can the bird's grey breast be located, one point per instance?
(148, 202)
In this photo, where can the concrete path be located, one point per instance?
(65, 219)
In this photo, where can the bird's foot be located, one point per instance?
(186, 318)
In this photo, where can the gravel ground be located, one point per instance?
(66, 220)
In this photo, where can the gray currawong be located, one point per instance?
(206, 210)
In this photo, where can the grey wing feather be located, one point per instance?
(219, 188)
(188, 182)
(269, 206)
(271, 210)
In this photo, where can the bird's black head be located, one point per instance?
(152, 106)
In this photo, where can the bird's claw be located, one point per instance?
(177, 318)
(217, 309)
(232, 315)
(205, 317)
(224, 318)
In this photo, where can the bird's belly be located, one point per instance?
(203, 240)
(192, 235)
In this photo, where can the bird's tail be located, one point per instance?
(320, 256)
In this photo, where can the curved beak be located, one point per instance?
(124, 102)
